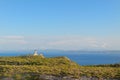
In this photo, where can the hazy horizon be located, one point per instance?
(62, 25)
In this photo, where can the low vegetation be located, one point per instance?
(31, 67)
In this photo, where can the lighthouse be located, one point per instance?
(35, 53)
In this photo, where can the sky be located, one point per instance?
(60, 24)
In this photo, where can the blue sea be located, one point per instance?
(80, 57)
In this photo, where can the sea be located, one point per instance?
(80, 57)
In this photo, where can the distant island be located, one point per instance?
(38, 67)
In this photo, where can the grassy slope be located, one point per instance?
(59, 66)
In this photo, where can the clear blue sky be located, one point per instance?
(91, 18)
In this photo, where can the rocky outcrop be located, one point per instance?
(50, 77)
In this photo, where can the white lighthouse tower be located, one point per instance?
(35, 53)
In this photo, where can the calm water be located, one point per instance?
(82, 58)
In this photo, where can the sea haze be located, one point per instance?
(80, 57)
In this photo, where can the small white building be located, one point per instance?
(35, 53)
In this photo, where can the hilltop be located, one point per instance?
(55, 68)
